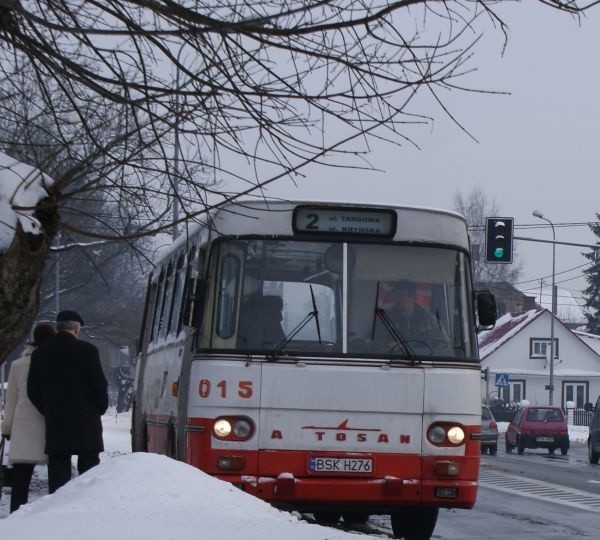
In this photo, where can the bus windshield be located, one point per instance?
(364, 300)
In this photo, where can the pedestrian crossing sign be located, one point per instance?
(501, 379)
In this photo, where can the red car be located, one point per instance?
(538, 427)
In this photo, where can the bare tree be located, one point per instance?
(171, 107)
(476, 207)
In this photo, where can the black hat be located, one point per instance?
(68, 315)
(42, 333)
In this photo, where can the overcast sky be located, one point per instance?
(537, 147)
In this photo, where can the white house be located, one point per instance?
(517, 350)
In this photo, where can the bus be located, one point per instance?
(269, 358)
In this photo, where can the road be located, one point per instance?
(533, 496)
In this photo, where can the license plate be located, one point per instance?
(340, 465)
(545, 439)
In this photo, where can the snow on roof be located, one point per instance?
(21, 188)
(591, 340)
(567, 308)
(506, 327)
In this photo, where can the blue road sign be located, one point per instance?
(502, 379)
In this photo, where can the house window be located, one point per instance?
(539, 347)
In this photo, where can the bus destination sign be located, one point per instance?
(340, 220)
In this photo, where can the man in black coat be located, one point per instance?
(67, 385)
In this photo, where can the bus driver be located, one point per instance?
(413, 322)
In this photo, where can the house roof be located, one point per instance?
(592, 340)
(506, 327)
(510, 324)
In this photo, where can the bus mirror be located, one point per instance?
(486, 309)
(194, 306)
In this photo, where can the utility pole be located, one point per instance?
(538, 214)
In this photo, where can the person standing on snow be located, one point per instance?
(23, 425)
(67, 385)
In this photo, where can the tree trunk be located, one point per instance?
(20, 277)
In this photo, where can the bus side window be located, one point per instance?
(158, 306)
(194, 293)
(167, 300)
(229, 281)
(143, 329)
(178, 287)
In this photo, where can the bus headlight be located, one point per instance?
(456, 435)
(233, 428)
(446, 434)
(242, 428)
(222, 428)
(436, 434)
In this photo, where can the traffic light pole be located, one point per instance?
(593, 246)
(539, 215)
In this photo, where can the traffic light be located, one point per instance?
(499, 240)
(485, 373)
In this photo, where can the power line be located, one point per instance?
(556, 274)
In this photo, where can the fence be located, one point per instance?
(505, 413)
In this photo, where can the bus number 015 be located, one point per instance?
(244, 388)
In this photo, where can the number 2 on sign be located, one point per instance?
(244, 389)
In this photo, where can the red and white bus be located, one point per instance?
(260, 362)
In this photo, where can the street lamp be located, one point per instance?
(538, 214)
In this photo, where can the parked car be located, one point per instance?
(538, 427)
(594, 433)
(489, 431)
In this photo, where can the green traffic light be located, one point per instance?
(499, 253)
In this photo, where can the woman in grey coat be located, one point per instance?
(23, 425)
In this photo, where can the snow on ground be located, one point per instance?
(147, 497)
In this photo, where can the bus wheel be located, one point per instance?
(327, 517)
(356, 516)
(414, 523)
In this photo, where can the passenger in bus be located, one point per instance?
(260, 323)
(67, 385)
(410, 319)
(23, 425)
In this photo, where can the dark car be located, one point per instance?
(489, 432)
(594, 433)
(538, 427)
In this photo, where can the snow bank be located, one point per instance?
(145, 497)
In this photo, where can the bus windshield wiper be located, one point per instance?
(310, 315)
(390, 327)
